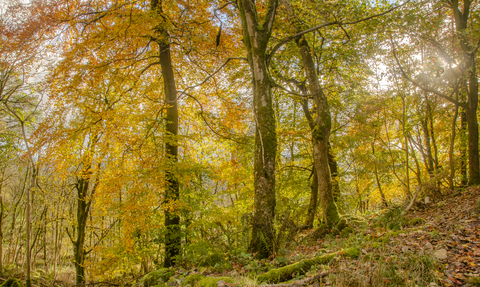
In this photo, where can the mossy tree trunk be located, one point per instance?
(85, 192)
(313, 205)
(320, 126)
(257, 30)
(172, 191)
(332, 163)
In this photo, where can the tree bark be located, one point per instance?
(313, 205)
(256, 35)
(463, 148)
(1, 220)
(173, 235)
(429, 164)
(377, 178)
(451, 177)
(405, 147)
(332, 163)
(85, 192)
(79, 243)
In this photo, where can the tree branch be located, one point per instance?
(418, 85)
(284, 41)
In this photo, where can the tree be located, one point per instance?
(172, 192)
(460, 73)
(257, 29)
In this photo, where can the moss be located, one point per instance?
(158, 276)
(212, 259)
(341, 224)
(352, 253)
(301, 267)
(346, 231)
(416, 221)
(212, 281)
(193, 278)
(377, 245)
(333, 217)
(12, 282)
(324, 124)
(321, 231)
(475, 281)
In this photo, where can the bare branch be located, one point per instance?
(213, 74)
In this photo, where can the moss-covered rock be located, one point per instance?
(157, 277)
(212, 281)
(12, 282)
(342, 223)
(301, 267)
(193, 279)
(320, 232)
(346, 231)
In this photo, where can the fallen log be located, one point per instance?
(285, 273)
(302, 282)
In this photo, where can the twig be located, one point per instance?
(213, 74)
(413, 200)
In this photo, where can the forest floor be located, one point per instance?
(434, 244)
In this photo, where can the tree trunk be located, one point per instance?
(405, 147)
(173, 237)
(312, 207)
(417, 164)
(332, 163)
(83, 206)
(451, 158)
(429, 165)
(463, 148)
(377, 178)
(1, 221)
(256, 34)
(321, 127)
(85, 193)
(469, 56)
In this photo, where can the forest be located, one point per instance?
(239, 143)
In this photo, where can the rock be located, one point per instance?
(428, 246)
(427, 200)
(221, 283)
(440, 254)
